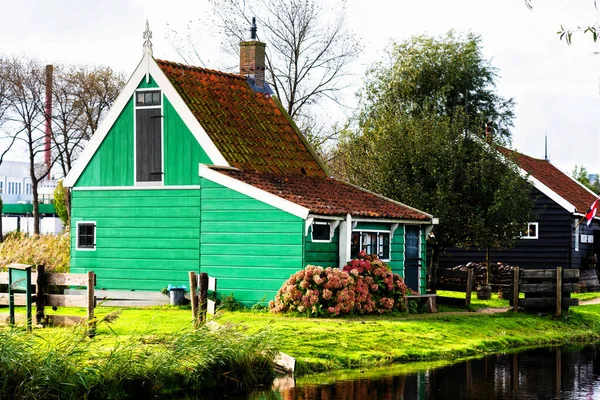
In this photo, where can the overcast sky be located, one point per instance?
(556, 86)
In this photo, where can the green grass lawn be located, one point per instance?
(339, 343)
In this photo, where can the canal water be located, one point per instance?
(566, 373)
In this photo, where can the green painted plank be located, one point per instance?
(135, 212)
(318, 258)
(239, 204)
(134, 264)
(251, 250)
(251, 238)
(209, 193)
(235, 227)
(147, 85)
(142, 223)
(145, 193)
(143, 243)
(146, 201)
(257, 217)
(112, 164)
(250, 261)
(225, 284)
(133, 233)
(148, 254)
(250, 273)
(182, 152)
(377, 226)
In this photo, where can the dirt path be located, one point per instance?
(588, 302)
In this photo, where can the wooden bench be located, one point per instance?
(428, 299)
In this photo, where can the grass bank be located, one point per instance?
(156, 351)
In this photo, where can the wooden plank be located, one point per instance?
(548, 274)
(4, 278)
(516, 289)
(548, 288)
(66, 300)
(285, 363)
(122, 295)
(202, 301)
(452, 287)
(91, 298)
(445, 273)
(194, 296)
(547, 302)
(559, 289)
(20, 299)
(19, 266)
(212, 283)
(133, 303)
(469, 288)
(66, 279)
(40, 289)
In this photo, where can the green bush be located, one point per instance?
(365, 286)
(52, 251)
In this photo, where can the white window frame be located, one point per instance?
(77, 236)
(321, 240)
(360, 231)
(537, 231)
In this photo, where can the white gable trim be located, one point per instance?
(546, 190)
(254, 192)
(147, 64)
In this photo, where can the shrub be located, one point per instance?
(365, 286)
(52, 251)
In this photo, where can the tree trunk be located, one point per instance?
(36, 207)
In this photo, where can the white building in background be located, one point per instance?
(17, 196)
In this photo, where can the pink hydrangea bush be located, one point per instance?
(365, 286)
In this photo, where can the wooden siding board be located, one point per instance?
(397, 251)
(324, 254)
(147, 85)
(143, 248)
(254, 268)
(182, 151)
(550, 250)
(112, 164)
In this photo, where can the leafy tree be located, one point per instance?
(62, 203)
(581, 174)
(308, 50)
(418, 139)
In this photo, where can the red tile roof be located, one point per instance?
(553, 178)
(248, 128)
(327, 196)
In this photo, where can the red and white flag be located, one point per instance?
(592, 212)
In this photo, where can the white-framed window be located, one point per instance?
(372, 242)
(321, 231)
(532, 231)
(86, 235)
(148, 138)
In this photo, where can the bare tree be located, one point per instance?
(308, 47)
(25, 117)
(82, 96)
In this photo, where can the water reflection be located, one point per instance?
(554, 373)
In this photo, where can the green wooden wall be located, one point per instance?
(322, 253)
(424, 260)
(182, 151)
(112, 164)
(249, 246)
(397, 251)
(145, 239)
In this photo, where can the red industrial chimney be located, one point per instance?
(48, 110)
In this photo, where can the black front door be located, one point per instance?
(412, 261)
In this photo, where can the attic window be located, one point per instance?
(320, 232)
(147, 98)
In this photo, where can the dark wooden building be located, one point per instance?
(554, 238)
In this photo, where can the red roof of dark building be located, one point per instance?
(326, 196)
(553, 178)
(248, 128)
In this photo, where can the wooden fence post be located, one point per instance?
(203, 301)
(559, 289)
(91, 303)
(40, 299)
(194, 296)
(516, 289)
(469, 287)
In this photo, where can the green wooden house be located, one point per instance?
(200, 170)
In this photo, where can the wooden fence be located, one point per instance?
(455, 281)
(43, 280)
(544, 289)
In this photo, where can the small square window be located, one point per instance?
(320, 231)
(532, 231)
(148, 98)
(86, 235)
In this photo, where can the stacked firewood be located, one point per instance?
(500, 274)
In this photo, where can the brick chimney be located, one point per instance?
(252, 59)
